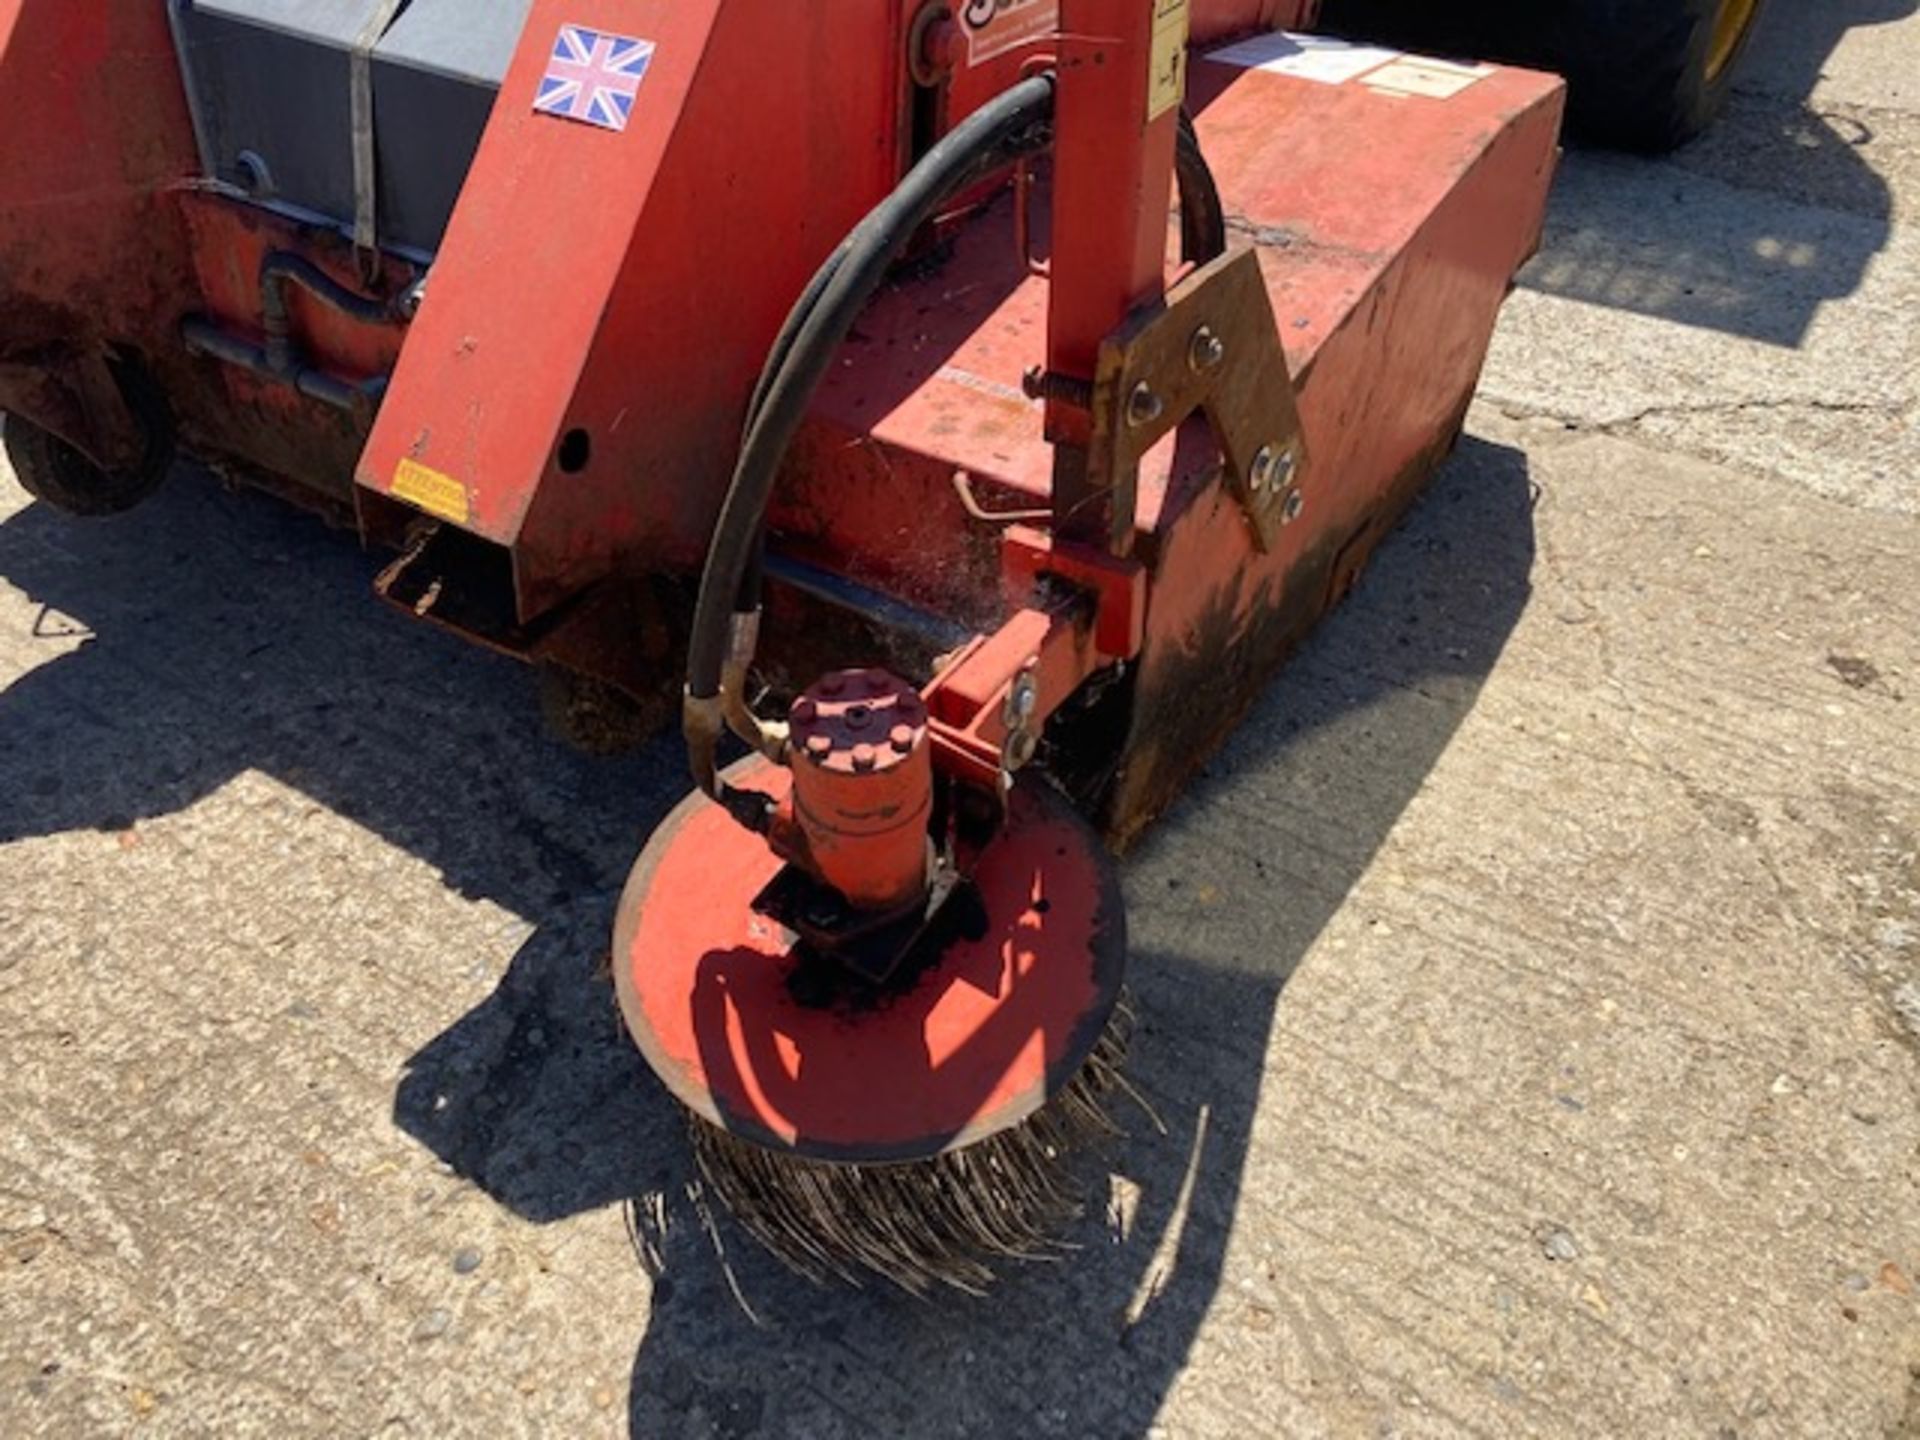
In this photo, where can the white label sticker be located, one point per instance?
(1306, 57)
(1167, 64)
(1434, 79)
(996, 26)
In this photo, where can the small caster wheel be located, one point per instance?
(51, 470)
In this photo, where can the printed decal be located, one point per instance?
(593, 77)
(1167, 66)
(996, 26)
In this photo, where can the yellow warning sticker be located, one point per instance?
(433, 492)
(1167, 75)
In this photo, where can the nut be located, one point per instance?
(1144, 406)
(1285, 467)
(1261, 471)
(1207, 349)
(1025, 698)
(1019, 750)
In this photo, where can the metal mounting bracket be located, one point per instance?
(1211, 345)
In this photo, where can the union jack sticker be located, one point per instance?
(593, 77)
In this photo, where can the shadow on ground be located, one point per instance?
(1806, 215)
(537, 1098)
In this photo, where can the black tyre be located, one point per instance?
(1645, 75)
(52, 471)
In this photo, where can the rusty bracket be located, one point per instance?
(1212, 345)
(990, 703)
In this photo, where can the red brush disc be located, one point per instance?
(984, 1034)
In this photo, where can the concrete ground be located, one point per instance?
(1533, 989)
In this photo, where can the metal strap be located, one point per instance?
(366, 179)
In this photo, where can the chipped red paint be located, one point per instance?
(92, 253)
(1389, 232)
(1387, 228)
(571, 395)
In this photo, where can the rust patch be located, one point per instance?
(1166, 734)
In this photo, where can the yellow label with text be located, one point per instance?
(433, 492)
(1167, 75)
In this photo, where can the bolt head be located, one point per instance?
(1285, 465)
(1261, 471)
(1021, 745)
(1207, 349)
(864, 758)
(1026, 697)
(1144, 406)
(1293, 507)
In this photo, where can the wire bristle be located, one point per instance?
(945, 1221)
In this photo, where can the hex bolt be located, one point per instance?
(1284, 468)
(1026, 698)
(1261, 471)
(1043, 384)
(864, 758)
(901, 738)
(1020, 750)
(1207, 349)
(255, 176)
(1144, 406)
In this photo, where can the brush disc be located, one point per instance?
(973, 1039)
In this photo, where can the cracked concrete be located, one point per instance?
(1531, 991)
(1771, 268)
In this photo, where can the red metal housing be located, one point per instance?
(561, 414)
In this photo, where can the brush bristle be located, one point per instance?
(948, 1221)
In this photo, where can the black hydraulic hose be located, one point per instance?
(1203, 238)
(1010, 127)
(1203, 218)
(751, 579)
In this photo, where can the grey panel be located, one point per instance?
(435, 78)
(273, 77)
(470, 40)
(336, 20)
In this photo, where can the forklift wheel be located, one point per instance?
(1645, 75)
(52, 471)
